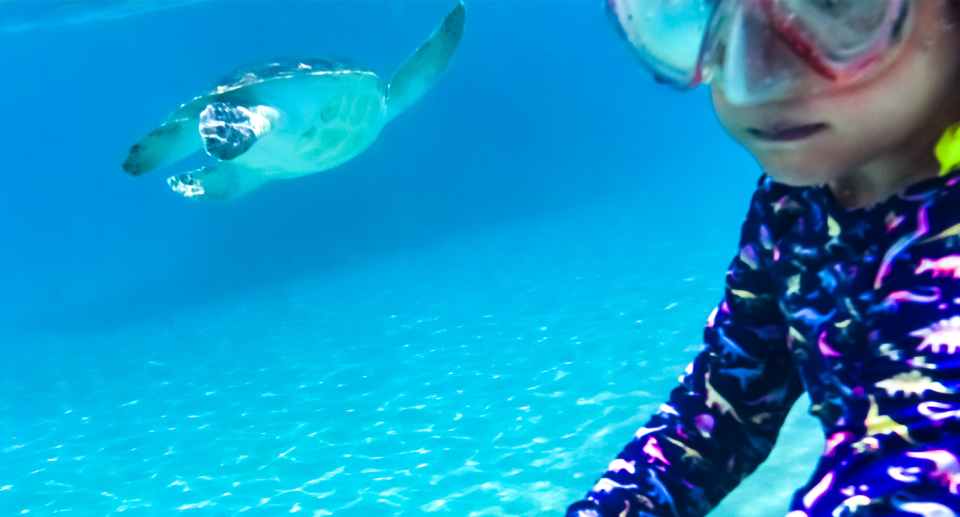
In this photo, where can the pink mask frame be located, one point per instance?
(809, 43)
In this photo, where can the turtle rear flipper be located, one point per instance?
(221, 182)
(229, 130)
(168, 143)
(418, 74)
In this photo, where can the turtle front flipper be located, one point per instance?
(220, 182)
(229, 130)
(418, 74)
(168, 143)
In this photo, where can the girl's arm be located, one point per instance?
(723, 420)
(911, 381)
(902, 414)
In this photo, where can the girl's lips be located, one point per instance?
(788, 134)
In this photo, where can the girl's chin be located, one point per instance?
(792, 165)
(804, 166)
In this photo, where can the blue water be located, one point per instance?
(470, 318)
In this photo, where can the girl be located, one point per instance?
(847, 281)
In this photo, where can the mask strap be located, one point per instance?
(947, 149)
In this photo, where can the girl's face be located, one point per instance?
(880, 128)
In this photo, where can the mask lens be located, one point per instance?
(667, 35)
(844, 33)
(753, 64)
(758, 49)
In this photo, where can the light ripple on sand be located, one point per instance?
(384, 400)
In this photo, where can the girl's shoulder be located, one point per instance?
(939, 199)
(934, 204)
(775, 207)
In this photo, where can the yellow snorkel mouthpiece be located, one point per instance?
(948, 149)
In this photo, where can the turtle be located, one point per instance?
(288, 118)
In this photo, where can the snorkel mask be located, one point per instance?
(758, 50)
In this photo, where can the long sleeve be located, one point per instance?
(723, 420)
(914, 373)
(898, 445)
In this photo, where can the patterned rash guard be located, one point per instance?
(859, 307)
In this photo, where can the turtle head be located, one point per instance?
(168, 143)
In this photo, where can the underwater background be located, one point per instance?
(470, 318)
